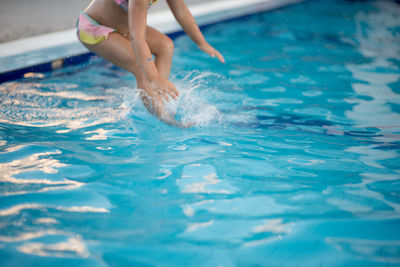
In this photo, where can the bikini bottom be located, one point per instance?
(90, 31)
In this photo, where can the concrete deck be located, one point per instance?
(26, 18)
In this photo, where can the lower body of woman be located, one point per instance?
(103, 29)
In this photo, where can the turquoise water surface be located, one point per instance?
(294, 159)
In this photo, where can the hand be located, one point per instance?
(211, 51)
(163, 87)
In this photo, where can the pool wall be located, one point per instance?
(52, 51)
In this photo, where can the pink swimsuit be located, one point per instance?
(124, 3)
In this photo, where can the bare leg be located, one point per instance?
(163, 48)
(118, 50)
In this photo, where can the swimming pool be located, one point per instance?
(294, 159)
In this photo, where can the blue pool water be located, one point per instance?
(294, 159)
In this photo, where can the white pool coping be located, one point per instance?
(46, 48)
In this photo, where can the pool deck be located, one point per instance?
(54, 43)
(47, 16)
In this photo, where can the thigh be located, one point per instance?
(118, 50)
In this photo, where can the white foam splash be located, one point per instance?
(193, 106)
(68, 107)
(33, 105)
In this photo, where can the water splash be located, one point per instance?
(194, 105)
(65, 105)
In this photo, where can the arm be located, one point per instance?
(137, 16)
(186, 20)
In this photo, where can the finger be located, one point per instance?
(163, 94)
(174, 90)
(170, 93)
(167, 91)
(220, 57)
(167, 96)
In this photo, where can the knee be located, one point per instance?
(167, 46)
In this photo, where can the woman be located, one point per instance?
(117, 31)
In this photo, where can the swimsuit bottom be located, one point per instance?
(90, 31)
